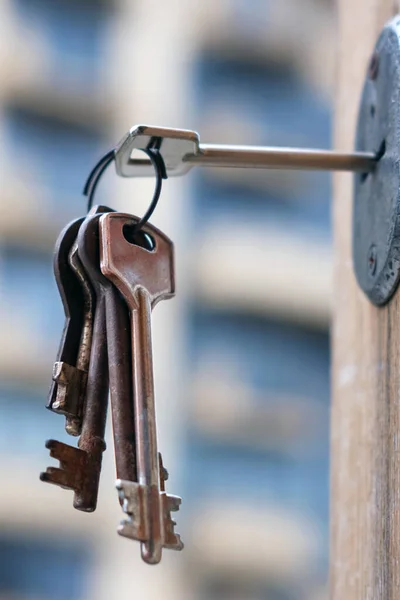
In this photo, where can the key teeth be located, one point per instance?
(173, 502)
(57, 477)
(71, 462)
(127, 529)
(172, 540)
(132, 496)
(70, 383)
(64, 453)
(127, 494)
(175, 543)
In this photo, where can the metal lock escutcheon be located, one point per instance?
(376, 205)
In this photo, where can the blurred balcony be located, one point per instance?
(247, 542)
(41, 72)
(223, 408)
(273, 32)
(262, 270)
(29, 215)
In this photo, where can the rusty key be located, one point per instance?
(144, 274)
(120, 375)
(73, 302)
(67, 392)
(80, 467)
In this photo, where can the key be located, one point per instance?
(67, 392)
(72, 298)
(80, 467)
(119, 366)
(144, 277)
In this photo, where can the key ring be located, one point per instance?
(153, 152)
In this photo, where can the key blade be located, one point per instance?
(70, 385)
(72, 300)
(135, 500)
(67, 399)
(77, 472)
(170, 503)
(154, 270)
(133, 497)
(72, 463)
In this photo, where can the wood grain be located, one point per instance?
(365, 480)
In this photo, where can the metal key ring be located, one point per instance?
(157, 161)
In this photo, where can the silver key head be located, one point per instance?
(130, 266)
(174, 145)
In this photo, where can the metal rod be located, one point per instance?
(259, 157)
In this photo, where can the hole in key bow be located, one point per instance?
(138, 237)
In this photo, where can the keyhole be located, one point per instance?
(380, 153)
(138, 238)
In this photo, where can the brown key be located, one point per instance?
(80, 467)
(144, 274)
(67, 393)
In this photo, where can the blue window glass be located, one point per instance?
(24, 417)
(275, 359)
(29, 290)
(213, 470)
(269, 355)
(57, 155)
(74, 33)
(284, 111)
(43, 568)
(274, 99)
(301, 212)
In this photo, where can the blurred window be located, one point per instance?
(29, 291)
(266, 97)
(43, 568)
(74, 31)
(292, 209)
(214, 470)
(264, 354)
(55, 154)
(273, 360)
(24, 417)
(262, 104)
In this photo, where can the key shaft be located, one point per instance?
(120, 375)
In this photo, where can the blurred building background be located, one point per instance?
(242, 353)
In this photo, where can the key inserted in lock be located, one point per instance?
(376, 206)
(181, 150)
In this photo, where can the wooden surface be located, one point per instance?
(365, 442)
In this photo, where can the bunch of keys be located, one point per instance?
(110, 276)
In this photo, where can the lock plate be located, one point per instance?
(376, 205)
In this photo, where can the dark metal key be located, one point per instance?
(80, 467)
(72, 298)
(68, 390)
